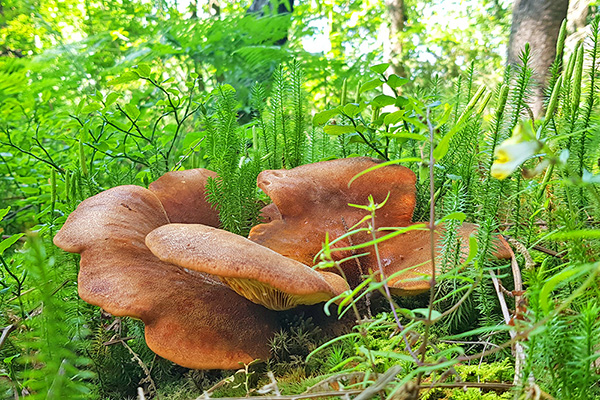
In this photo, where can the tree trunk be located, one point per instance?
(537, 22)
(258, 6)
(578, 13)
(577, 23)
(395, 10)
(284, 7)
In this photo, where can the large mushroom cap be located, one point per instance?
(411, 252)
(190, 317)
(255, 272)
(313, 200)
(183, 195)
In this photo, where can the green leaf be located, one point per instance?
(380, 68)
(132, 111)
(457, 215)
(353, 109)
(370, 85)
(444, 145)
(578, 234)
(3, 212)
(111, 98)
(392, 355)
(80, 106)
(355, 138)
(324, 116)
(29, 190)
(479, 331)
(6, 243)
(395, 81)
(383, 100)
(126, 77)
(332, 341)
(561, 277)
(394, 118)
(407, 135)
(144, 70)
(445, 116)
(402, 101)
(91, 108)
(425, 312)
(384, 164)
(473, 247)
(102, 146)
(338, 129)
(416, 122)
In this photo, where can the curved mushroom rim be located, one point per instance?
(235, 258)
(270, 297)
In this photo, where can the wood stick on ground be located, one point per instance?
(380, 383)
(537, 247)
(5, 332)
(151, 386)
(499, 386)
(519, 351)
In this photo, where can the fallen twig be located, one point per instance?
(519, 351)
(115, 341)
(380, 383)
(351, 392)
(5, 332)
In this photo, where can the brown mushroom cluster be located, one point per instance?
(208, 298)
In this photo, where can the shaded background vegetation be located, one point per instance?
(98, 94)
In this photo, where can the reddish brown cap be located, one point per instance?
(255, 272)
(313, 199)
(411, 252)
(269, 213)
(191, 318)
(183, 195)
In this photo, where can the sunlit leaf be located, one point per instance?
(370, 85)
(6, 243)
(338, 129)
(380, 68)
(395, 81)
(126, 77)
(383, 100)
(324, 116)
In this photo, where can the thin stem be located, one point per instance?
(386, 287)
(432, 240)
(14, 146)
(371, 145)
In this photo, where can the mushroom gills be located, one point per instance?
(270, 297)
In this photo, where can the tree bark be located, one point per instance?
(395, 10)
(537, 22)
(284, 7)
(257, 6)
(578, 13)
(577, 22)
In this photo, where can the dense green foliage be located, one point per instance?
(98, 95)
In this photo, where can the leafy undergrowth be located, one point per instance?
(524, 327)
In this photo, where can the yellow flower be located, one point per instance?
(513, 152)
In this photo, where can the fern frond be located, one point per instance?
(297, 140)
(279, 118)
(521, 91)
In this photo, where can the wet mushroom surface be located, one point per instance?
(191, 318)
(313, 200)
(253, 271)
(208, 297)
